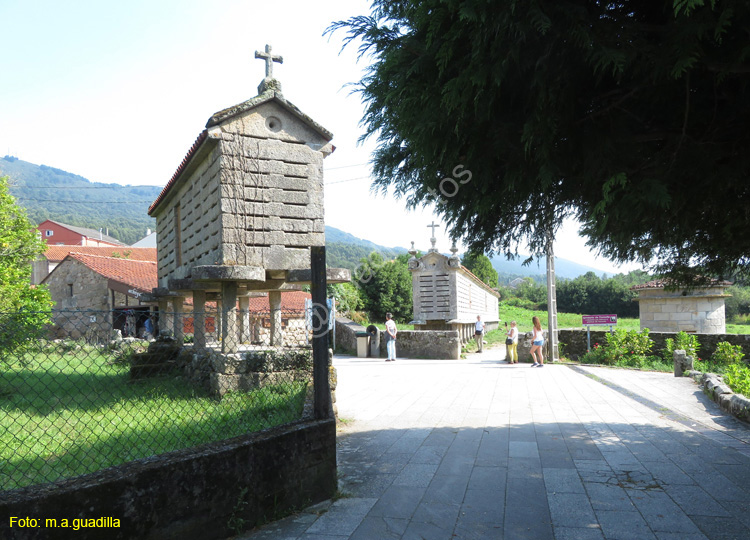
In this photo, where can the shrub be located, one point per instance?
(624, 348)
(684, 341)
(737, 377)
(727, 354)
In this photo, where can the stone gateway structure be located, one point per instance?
(241, 212)
(447, 296)
(699, 310)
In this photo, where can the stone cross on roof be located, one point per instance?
(270, 58)
(433, 240)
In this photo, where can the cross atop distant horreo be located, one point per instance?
(270, 58)
(433, 240)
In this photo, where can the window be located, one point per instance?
(70, 290)
(48, 232)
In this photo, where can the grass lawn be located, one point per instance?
(66, 414)
(564, 320)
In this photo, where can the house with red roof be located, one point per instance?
(56, 233)
(103, 292)
(54, 255)
(293, 325)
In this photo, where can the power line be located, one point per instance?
(84, 187)
(345, 166)
(83, 201)
(347, 180)
(22, 198)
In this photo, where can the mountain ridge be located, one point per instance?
(51, 193)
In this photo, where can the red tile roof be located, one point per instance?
(292, 301)
(180, 169)
(58, 253)
(140, 275)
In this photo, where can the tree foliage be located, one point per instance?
(387, 288)
(347, 295)
(631, 116)
(589, 294)
(20, 302)
(481, 267)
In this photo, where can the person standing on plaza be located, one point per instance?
(511, 344)
(479, 333)
(390, 337)
(537, 343)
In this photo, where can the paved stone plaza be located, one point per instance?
(479, 449)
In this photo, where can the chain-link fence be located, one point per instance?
(84, 390)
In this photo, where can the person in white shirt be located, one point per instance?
(537, 343)
(390, 337)
(479, 333)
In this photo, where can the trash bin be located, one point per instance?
(362, 341)
(374, 334)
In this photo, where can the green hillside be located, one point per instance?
(50, 193)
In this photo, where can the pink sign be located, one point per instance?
(599, 319)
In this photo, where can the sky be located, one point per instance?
(117, 92)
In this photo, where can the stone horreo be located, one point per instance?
(447, 296)
(240, 214)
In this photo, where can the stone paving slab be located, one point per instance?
(480, 449)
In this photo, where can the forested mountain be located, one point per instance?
(50, 193)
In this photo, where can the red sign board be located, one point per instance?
(605, 320)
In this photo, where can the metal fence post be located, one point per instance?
(322, 404)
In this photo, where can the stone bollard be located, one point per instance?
(682, 362)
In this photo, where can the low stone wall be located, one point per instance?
(574, 341)
(198, 494)
(437, 344)
(713, 386)
(345, 334)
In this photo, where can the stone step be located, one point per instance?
(141, 371)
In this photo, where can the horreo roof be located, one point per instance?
(207, 137)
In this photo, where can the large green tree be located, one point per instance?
(630, 115)
(22, 306)
(480, 265)
(386, 287)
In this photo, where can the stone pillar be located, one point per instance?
(179, 315)
(230, 342)
(199, 320)
(274, 300)
(244, 323)
(165, 317)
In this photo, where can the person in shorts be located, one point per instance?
(537, 343)
(511, 349)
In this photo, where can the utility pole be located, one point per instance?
(553, 349)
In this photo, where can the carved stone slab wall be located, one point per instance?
(701, 311)
(188, 229)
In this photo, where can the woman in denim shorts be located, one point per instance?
(537, 343)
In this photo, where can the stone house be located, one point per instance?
(293, 319)
(447, 296)
(699, 310)
(242, 210)
(100, 293)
